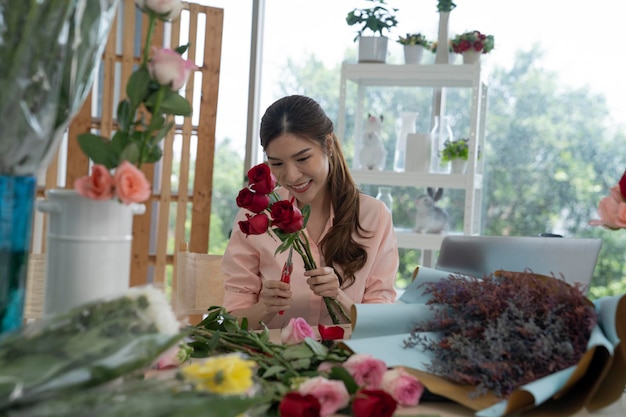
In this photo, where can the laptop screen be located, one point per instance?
(574, 259)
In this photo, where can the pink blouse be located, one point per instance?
(249, 261)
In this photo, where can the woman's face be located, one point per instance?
(300, 165)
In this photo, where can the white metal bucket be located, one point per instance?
(88, 247)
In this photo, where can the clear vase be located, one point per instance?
(406, 126)
(88, 248)
(440, 133)
(384, 195)
(17, 199)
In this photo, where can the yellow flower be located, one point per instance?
(226, 374)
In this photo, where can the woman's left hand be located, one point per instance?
(323, 282)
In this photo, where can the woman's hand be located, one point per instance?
(323, 282)
(275, 296)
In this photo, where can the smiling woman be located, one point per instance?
(348, 247)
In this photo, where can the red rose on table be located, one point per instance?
(261, 179)
(295, 404)
(255, 202)
(330, 332)
(373, 403)
(255, 225)
(286, 216)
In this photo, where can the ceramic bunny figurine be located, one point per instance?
(429, 217)
(373, 154)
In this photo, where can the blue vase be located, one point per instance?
(17, 198)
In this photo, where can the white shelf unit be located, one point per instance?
(438, 77)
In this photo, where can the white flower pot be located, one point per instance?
(471, 57)
(458, 166)
(413, 54)
(88, 248)
(373, 48)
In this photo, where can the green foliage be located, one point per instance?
(376, 19)
(456, 149)
(414, 39)
(445, 5)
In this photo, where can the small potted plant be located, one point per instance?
(414, 45)
(456, 152)
(471, 45)
(376, 20)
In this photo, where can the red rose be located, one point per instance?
(286, 216)
(255, 202)
(330, 332)
(373, 403)
(255, 225)
(261, 179)
(295, 404)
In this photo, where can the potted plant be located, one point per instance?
(414, 45)
(375, 20)
(471, 45)
(456, 152)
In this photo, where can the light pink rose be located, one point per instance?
(169, 68)
(296, 331)
(97, 186)
(331, 394)
(131, 184)
(366, 370)
(612, 211)
(170, 8)
(402, 386)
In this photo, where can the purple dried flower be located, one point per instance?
(505, 330)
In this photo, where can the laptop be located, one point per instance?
(574, 259)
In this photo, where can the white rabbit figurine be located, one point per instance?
(429, 217)
(373, 154)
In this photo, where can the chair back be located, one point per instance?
(198, 285)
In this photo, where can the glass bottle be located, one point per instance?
(407, 122)
(440, 133)
(384, 195)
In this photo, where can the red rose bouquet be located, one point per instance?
(283, 219)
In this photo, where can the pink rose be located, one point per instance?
(169, 68)
(402, 386)
(296, 331)
(131, 184)
(612, 211)
(366, 370)
(98, 186)
(169, 8)
(331, 394)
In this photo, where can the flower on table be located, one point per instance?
(285, 221)
(226, 374)
(331, 332)
(612, 209)
(144, 117)
(402, 386)
(373, 403)
(366, 370)
(331, 394)
(472, 41)
(295, 404)
(296, 331)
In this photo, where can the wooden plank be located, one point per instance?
(203, 177)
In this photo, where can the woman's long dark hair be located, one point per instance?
(304, 117)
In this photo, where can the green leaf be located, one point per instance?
(302, 363)
(306, 212)
(137, 87)
(182, 49)
(174, 103)
(317, 348)
(297, 351)
(161, 133)
(340, 373)
(130, 153)
(98, 149)
(273, 370)
(156, 122)
(153, 154)
(124, 116)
